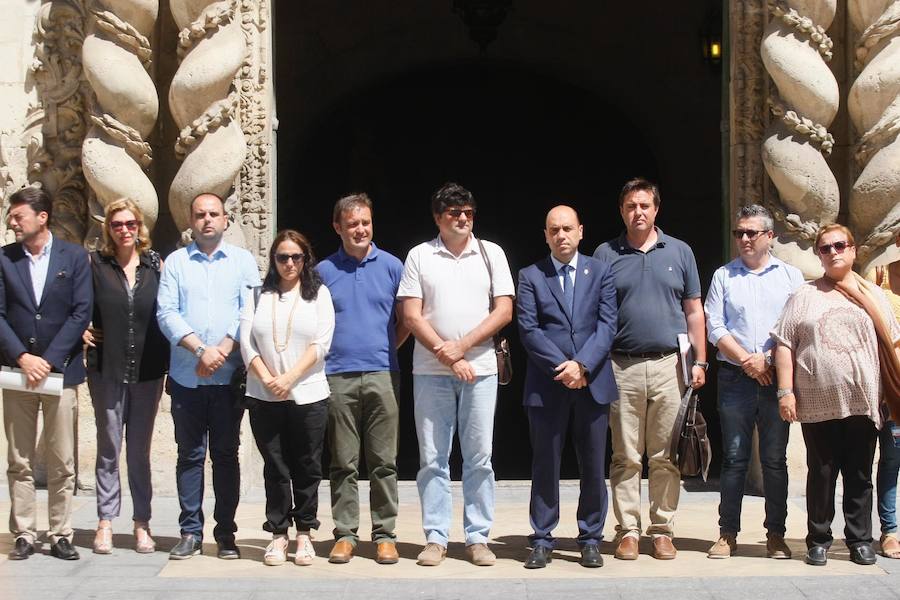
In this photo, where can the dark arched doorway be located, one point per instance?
(521, 142)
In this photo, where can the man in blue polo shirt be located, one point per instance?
(364, 378)
(658, 290)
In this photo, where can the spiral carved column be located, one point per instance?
(795, 50)
(116, 57)
(204, 102)
(874, 107)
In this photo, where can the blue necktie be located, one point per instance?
(568, 288)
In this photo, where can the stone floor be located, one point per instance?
(128, 575)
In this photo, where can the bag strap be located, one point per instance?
(487, 264)
(680, 420)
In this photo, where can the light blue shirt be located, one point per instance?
(203, 295)
(559, 265)
(747, 305)
(38, 266)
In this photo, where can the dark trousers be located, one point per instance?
(290, 438)
(548, 425)
(845, 446)
(207, 415)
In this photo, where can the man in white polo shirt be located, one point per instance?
(445, 293)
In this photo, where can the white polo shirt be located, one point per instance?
(454, 293)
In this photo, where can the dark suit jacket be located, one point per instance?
(551, 335)
(53, 328)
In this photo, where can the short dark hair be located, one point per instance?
(216, 196)
(639, 184)
(349, 202)
(37, 198)
(451, 194)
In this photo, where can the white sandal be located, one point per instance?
(305, 551)
(276, 551)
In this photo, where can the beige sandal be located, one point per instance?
(890, 546)
(103, 543)
(143, 543)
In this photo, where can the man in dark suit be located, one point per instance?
(567, 321)
(45, 306)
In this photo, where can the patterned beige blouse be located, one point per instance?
(835, 349)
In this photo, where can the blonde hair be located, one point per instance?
(142, 240)
(834, 227)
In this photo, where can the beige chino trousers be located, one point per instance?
(20, 412)
(641, 421)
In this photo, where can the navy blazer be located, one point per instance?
(53, 328)
(551, 335)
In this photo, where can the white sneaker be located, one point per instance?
(305, 551)
(276, 551)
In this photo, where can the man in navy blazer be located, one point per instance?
(45, 305)
(567, 321)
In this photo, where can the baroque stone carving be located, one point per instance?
(116, 55)
(55, 127)
(794, 53)
(874, 108)
(204, 102)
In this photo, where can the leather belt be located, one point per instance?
(656, 355)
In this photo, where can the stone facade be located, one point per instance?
(90, 91)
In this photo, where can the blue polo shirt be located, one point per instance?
(364, 294)
(650, 287)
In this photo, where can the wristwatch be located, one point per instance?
(782, 392)
(701, 364)
(769, 359)
(200, 350)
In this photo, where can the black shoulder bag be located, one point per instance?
(501, 345)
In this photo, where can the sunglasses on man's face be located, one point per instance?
(284, 258)
(131, 225)
(456, 212)
(751, 234)
(839, 247)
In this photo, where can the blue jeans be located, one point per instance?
(201, 414)
(744, 403)
(442, 401)
(886, 480)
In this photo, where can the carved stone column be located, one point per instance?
(874, 107)
(794, 50)
(204, 102)
(116, 57)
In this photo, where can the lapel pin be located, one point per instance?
(61, 274)
(586, 271)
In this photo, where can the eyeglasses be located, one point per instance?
(456, 212)
(131, 225)
(751, 234)
(284, 258)
(839, 247)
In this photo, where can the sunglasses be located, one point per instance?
(751, 234)
(839, 247)
(131, 225)
(284, 258)
(455, 212)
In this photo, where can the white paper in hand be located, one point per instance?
(14, 379)
(686, 357)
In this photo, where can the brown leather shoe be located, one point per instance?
(627, 548)
(386, 553)
(341, 553)
(663, 549)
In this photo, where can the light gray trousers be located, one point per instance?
(130, 407)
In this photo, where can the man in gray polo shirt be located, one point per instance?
(658, 290)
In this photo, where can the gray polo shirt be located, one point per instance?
(650, 287)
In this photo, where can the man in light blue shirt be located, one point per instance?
(745, 299)
(199, 302)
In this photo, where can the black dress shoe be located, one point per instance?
(22, 550)
(189, 545)
(817, 556)
(539, 557)
(228, 550)
(590, 556)
(63, 549)
(863, 554)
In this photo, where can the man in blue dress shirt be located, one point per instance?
(745, 299)
(200, 297)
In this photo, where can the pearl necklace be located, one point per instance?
(290, 322)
